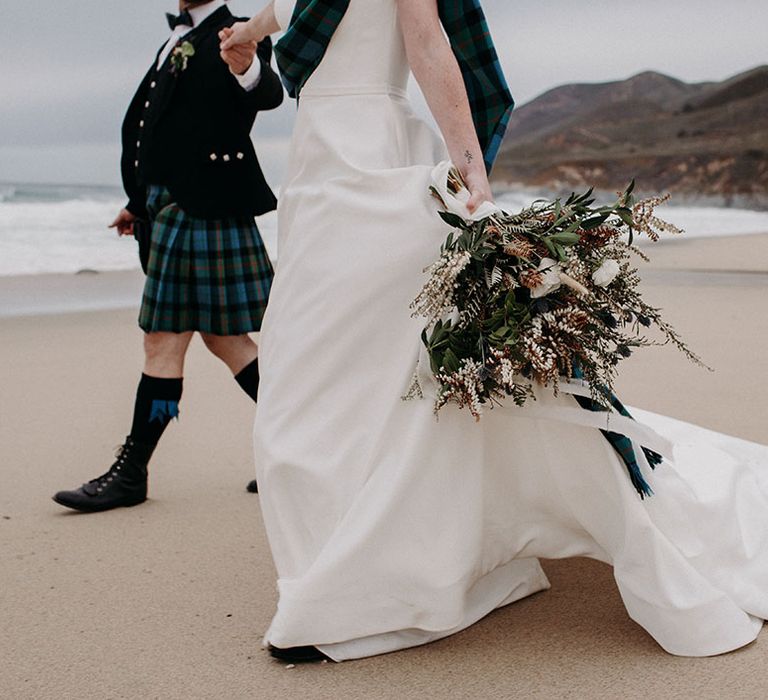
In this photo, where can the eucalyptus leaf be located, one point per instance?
(594, 221)
(453, 220)
(450, 361)
(625, 215)
(565, 238)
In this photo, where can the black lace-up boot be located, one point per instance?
(125, 484)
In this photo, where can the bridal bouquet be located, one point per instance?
(546, 294)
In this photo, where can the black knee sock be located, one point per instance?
(157, 403)
(248, 379)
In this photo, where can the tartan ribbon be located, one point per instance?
(621, 443)
(302, 47)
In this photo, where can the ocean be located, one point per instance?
(63, 228)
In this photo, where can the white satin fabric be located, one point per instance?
(391, 529)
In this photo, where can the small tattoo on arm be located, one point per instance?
(468, 156)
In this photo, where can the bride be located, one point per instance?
(390, 529)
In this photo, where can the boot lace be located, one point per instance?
(121, 454)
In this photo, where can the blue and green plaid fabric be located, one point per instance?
(314, 22)
(621, 443)
(303, 46)
(212, 276)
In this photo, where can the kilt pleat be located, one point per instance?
(205, 275)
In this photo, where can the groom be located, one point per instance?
(194, 186)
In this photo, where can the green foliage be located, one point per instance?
(453, 220)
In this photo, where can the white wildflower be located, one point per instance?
(550, 279)
(606, 273)
(436, 297)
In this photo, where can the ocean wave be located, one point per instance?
(68, 236)
(32, 193)
(48, 229)
(7, 193)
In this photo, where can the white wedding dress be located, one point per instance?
(390, 529)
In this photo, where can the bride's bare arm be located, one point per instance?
(437, 72)
(255, 29)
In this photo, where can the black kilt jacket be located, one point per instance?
(189, 130)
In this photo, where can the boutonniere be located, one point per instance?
(180, 57)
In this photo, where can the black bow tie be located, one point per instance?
(184, 19)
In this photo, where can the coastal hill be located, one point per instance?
(705, 141)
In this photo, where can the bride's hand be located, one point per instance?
(479, 188)
(258, 28)
(240, 33)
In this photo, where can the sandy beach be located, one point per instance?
(170, 599)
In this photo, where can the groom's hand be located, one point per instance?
(238, 57)
(124, 223)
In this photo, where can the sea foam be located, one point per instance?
(63, 228)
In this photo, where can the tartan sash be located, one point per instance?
(314, 22)
(303, 45)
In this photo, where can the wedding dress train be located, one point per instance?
(390, 528)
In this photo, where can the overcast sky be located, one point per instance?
(69, 67)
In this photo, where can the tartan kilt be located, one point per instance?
(207, 275)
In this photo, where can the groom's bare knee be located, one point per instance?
(236, 351)
(164, 353)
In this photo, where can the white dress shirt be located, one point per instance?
(248, 80)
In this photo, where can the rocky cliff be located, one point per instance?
(704, 141)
